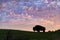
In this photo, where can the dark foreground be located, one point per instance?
(24, 35)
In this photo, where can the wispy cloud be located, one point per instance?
(26, 14)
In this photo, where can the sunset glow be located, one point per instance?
(25, 14)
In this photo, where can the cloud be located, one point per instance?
(26, 16)
(27, 25)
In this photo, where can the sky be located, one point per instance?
(25, 14)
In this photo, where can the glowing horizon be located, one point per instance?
(23, 15)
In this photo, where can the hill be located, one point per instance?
(25, 35)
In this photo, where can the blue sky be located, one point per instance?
(30, 13)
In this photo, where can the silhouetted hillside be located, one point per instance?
(25, 35)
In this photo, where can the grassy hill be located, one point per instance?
(25, 35)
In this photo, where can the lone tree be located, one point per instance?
(39, 28)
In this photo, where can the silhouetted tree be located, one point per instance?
(49, 31)
(39, 28)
